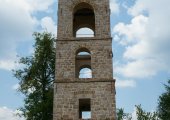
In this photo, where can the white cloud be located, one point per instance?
(40, 5)
(9, 114)
(7, 64)
(131, 32)
(48, 24)
(137, 9)
(146, 39)
(125, 83)
(18, 22)
(114, 6)
(139, 68)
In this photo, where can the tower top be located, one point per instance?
(76, 14)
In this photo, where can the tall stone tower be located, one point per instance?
(88, 95)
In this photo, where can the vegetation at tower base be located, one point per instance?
(121, 115)
(36, 78)
(140, 114)
(164, 103)
(163, 111)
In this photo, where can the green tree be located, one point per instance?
(164, 103)
(142, 115)
(36, 78)
(121, 115)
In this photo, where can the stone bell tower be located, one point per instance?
(84, 87)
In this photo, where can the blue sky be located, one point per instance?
(141, 47)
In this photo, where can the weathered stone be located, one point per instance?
(69, 89)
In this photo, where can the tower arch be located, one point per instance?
(90, 2)
(83, 16)
(82, 60)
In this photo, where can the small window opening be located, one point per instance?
(85, 32)
(85, 73)
(84, 109)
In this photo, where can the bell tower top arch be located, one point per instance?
(93, 14)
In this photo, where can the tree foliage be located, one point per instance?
(143, 115)
(36, 78)
(140, 114)
(164, 103)
(121, 115)
(163, 112)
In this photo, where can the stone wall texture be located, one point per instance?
(65, 17)
(68, 89)
(101, 95)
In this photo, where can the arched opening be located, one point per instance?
(83, 53)
(83, 63)
(82, 50)
(85, 73)
(83, 17)
(85, 32)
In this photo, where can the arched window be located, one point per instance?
(85, 32)
(83, 63)
(83, 17)
(85, 73)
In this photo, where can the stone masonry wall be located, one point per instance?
(68, 89)
(67, 100)
(101, 57)
(65, 17)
